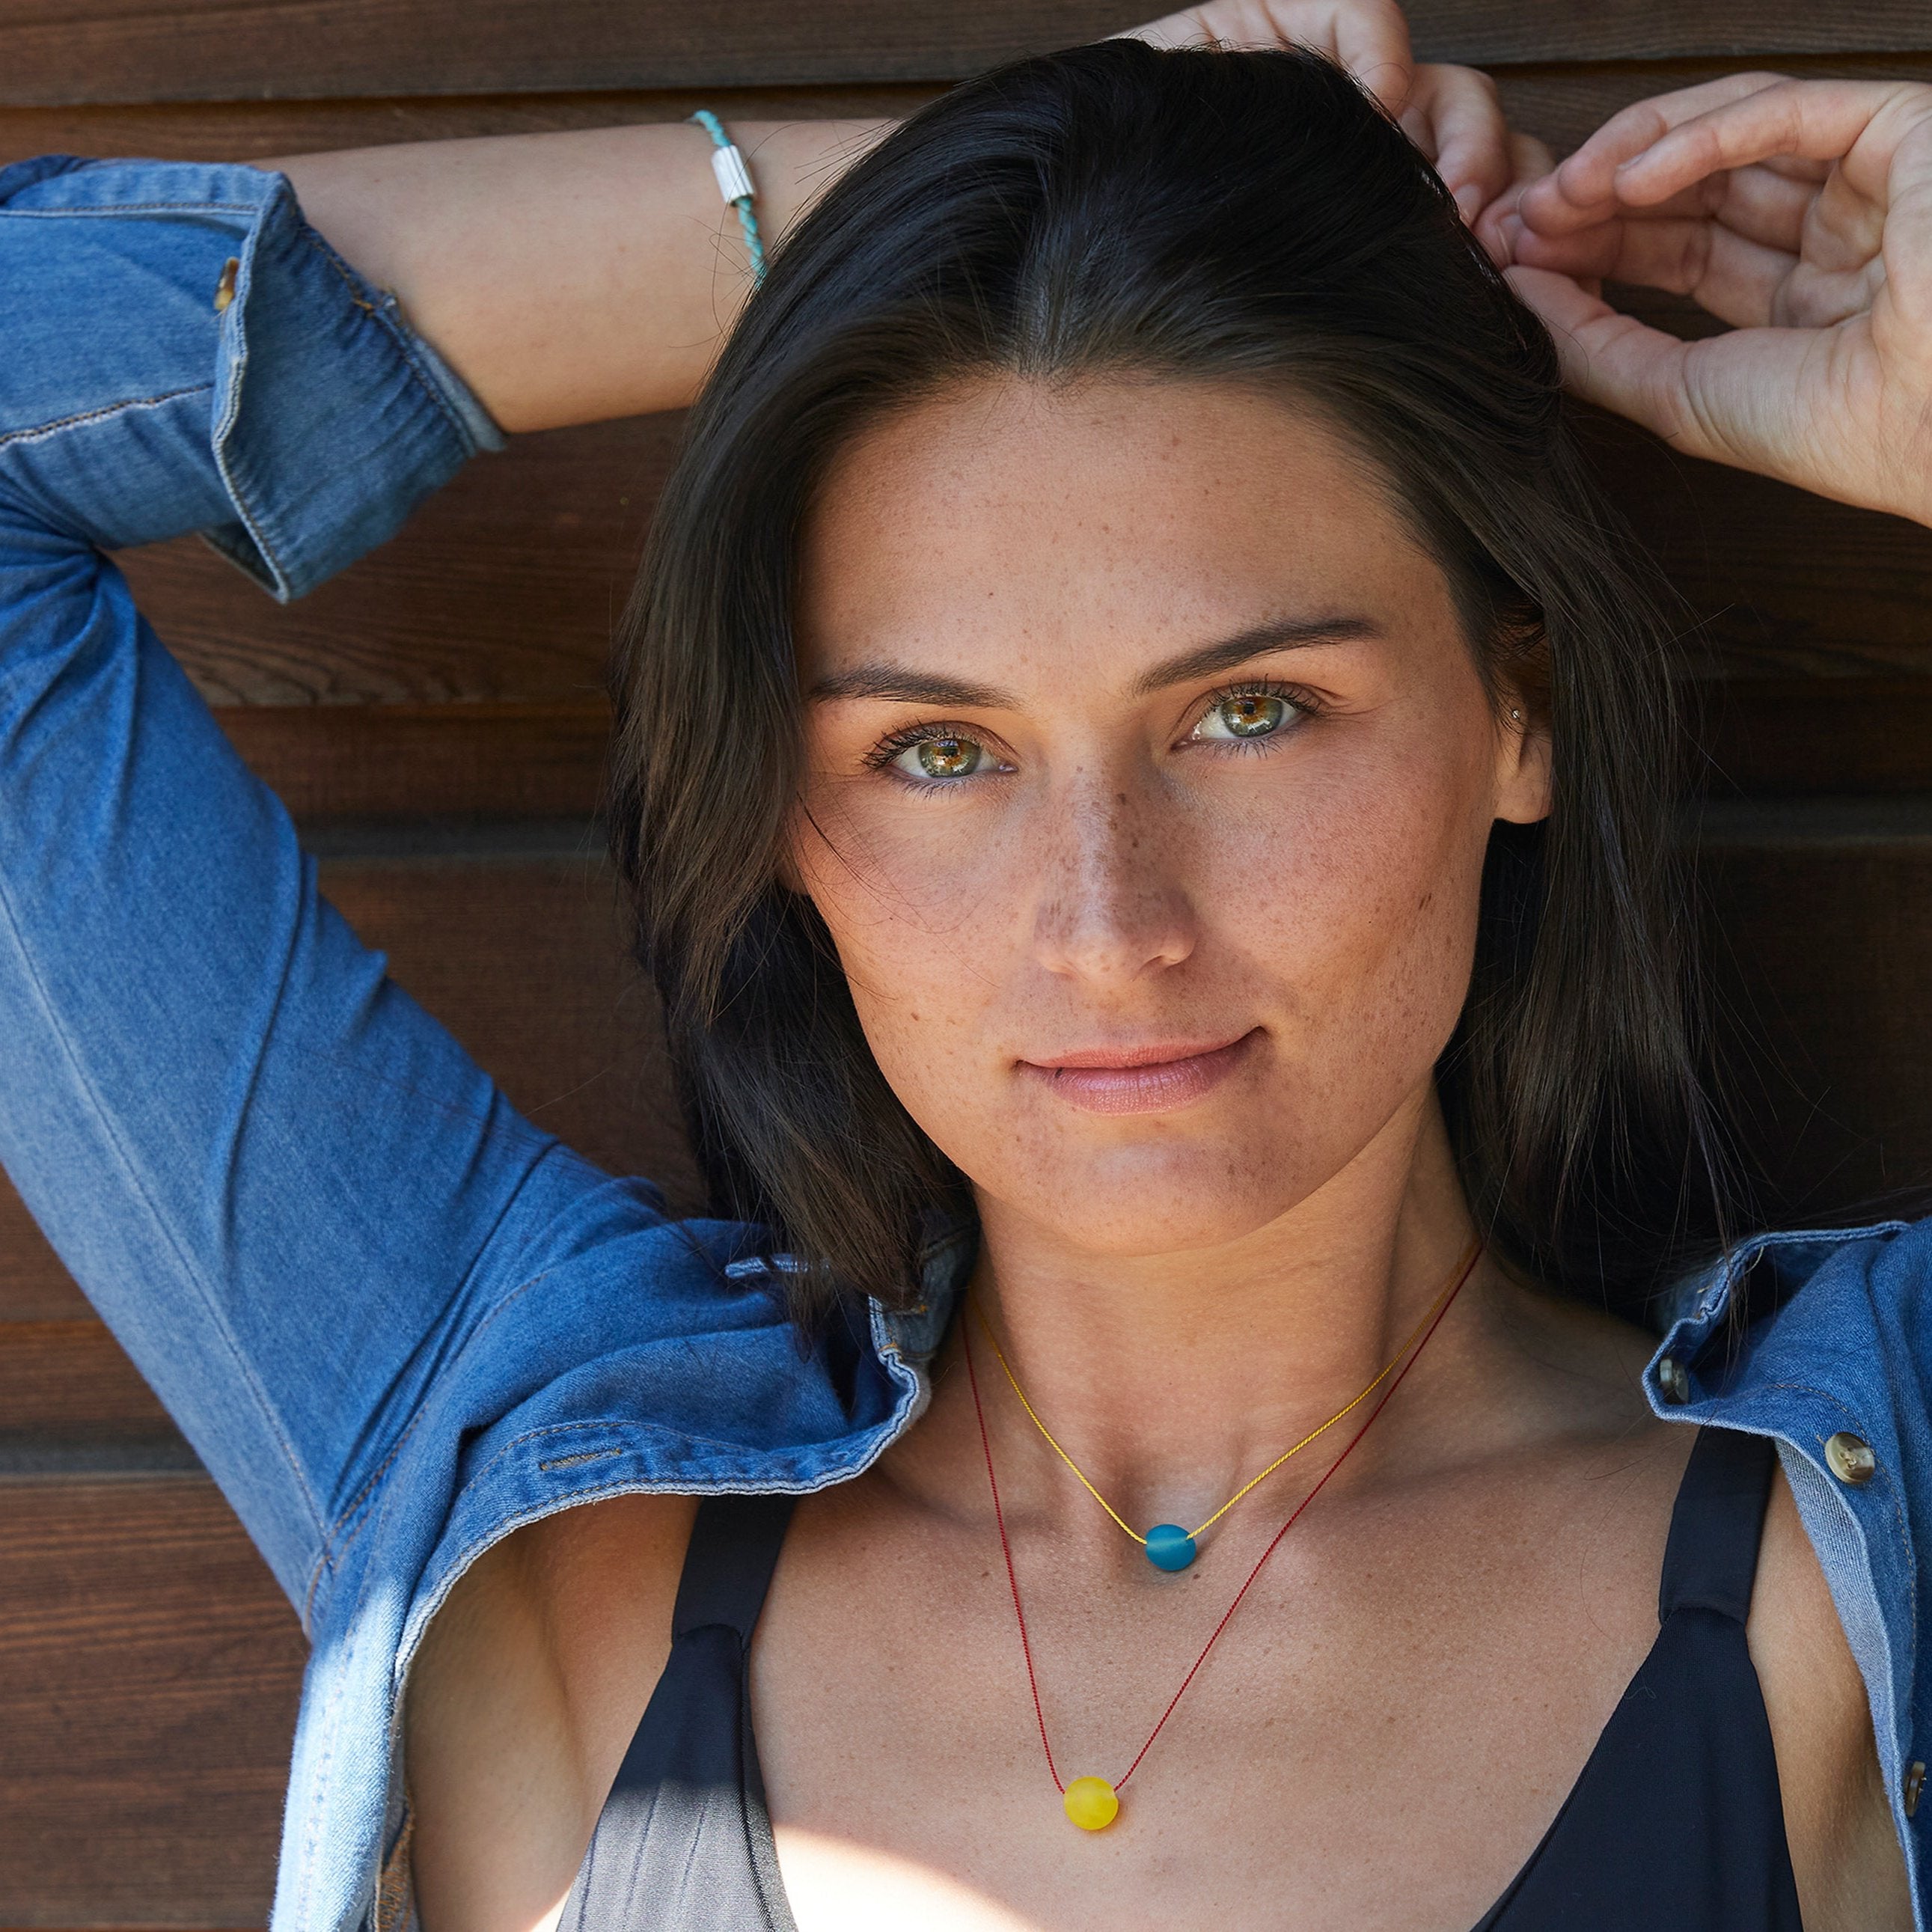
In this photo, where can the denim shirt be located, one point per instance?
(395, 1320)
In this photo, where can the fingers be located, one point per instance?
(1739, 281)
(1792, 129)
(1451, 113)
(1367, 31)
(1817, 121)
(1580, 191)
(1495, 228)
(1370, 37)
(1171, 30)
(1454, 117)
(1613, 360)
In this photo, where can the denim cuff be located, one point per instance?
(328, 417)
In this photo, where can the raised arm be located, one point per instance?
(288, 1190)
(569, 277)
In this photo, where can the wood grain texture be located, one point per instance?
(1825, 922)
(522, 957)
(136, 1629)
(254, 130)
(148, 1674)
(64, 1384)
(149, 1670)
(1823, 948)
(148, 50)
(1560, 104)
(523, 960)
(330, 762)
(506, 585)
(33, 1286)
(1797, 737)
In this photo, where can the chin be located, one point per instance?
(1157, 1200)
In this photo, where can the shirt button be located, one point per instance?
(1914, 1782)
(1849, 1458)
(1674, 1379)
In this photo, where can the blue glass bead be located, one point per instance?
(1169, 1546)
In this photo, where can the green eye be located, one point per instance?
(949, 757)
(1250, 715)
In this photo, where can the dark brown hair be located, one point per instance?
(1252, 218)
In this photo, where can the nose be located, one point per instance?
(1112, 904)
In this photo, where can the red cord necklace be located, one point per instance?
(1093, 1803)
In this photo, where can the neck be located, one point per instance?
(1171, 1378)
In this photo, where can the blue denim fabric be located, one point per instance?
(395, 1319)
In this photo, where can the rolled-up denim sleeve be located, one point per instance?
(276, 1177)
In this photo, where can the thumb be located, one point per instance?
(1615, 361)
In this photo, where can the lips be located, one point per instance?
(1149, 1079)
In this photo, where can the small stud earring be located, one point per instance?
(1516, 716)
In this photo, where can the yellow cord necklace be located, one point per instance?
(1169, 1546)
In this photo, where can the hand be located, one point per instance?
(1451, 113)
(1799, 212)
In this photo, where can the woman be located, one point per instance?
(1126, 600)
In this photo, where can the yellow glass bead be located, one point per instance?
(1091, 1804)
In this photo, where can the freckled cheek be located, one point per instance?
(925, 915)
(1329, 876)
(1395, 896)
(930, 997)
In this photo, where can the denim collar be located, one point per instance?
(913, 1334)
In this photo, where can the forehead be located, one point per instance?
(1028, 520)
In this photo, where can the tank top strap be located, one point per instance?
(734, 1547)
(1710, 1562)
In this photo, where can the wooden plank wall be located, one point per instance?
(433, 719)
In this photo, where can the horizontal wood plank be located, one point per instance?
(523, 960)
(149, 1670)
(256, 131)
(521, 956)
(506, 586)
(64, 1385)
(329, 762)
(33, 1286)
(151, 50)
(1559, 104)
(1795, 737)
(1821, 953)
(483, 601)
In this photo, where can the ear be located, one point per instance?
(1525, 767)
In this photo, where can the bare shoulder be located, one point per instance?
(1578, 1367)
(1850, 1871)
(523, 1699)
(1587, 1368)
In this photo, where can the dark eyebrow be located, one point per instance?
(903, 686)
(899, 684)
(1281, 634)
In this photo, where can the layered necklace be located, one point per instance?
(1093, 1803)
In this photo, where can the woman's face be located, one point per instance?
(1149, 779)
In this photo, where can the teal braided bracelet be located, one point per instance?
(734, 184)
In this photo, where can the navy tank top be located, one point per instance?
(1676, 1823)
